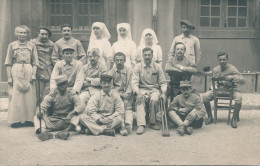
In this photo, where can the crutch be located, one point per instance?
(39, 99)
(165, 129)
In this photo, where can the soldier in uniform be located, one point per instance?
(65, 41)
(70, 67)
(231, 74)
(59, 112)
(92, 72)
(105, 110)
(122, 84)
(187, 110)
(149, 83)
(44, 48)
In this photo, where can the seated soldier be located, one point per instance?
(122, 84)
(70, 67)
(187, 110)
(59, 111)
(105, 110)
(179, 68)
(231, 74)
(147, 81)
(92, 71)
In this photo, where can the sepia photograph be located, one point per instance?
(130, 82)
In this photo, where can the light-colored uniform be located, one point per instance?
(192, 43)
(92, 72)
(73, 71)
(55, 108)
(122, 84)
(148, 80)
(103, 105)
(78, 54)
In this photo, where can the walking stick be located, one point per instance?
(39, 100)
(165, 129)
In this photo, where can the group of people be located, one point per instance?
(58, 87)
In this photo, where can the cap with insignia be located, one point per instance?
(188, 23)
(185, 84)
(61, 78)
(106, 77)
(67, 47)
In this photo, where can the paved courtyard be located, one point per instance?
(214, 144)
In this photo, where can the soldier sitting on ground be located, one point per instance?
(105, 110)
(59, 112)
(187, 110)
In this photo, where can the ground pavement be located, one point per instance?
(214, 144)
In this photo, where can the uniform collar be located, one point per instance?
(182, 36)
(122, 71)
(104, 94)
(65, 63)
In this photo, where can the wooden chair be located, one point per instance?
(222, 93)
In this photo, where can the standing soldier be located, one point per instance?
(191, 42)
(44, 48)
(65, 41)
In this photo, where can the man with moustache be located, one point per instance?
(44, 48)
(70, 67)
(105, 110)
(187, 110)
(231, 74)
(92, 72)
(65, 41)
(59, 112)
(180, 68)
(122, 84)
(192, 43)
(149, 84)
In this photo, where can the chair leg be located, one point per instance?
(215, 111)
(229, 112)
(238, 116)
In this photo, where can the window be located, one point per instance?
(224, 13)
(78, 13)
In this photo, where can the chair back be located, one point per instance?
(222, 88)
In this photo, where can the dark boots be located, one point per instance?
(235, 116)
(209, 113)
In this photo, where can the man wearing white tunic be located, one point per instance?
(99, 39)
(149, 39)
(125, 44)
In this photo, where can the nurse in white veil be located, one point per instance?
(149, 39)
(99, 38)
(125, 44)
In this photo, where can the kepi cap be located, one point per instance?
(185, 84)
(61, 78)
(67, 48)
(106, 77)
(188, 23)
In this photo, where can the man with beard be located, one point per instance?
(192, 43)
(65, 41)
(179, 68)
(44, 48)
(59, 112)
(122, 84)
(70, 67)
(92, 72)
(187, 110)
(231, 74)
(105, 110)
(149, 84)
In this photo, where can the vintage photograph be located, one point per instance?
(130, 82)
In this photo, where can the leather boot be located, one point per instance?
(209, 112)
(181, 129)
(237, 108)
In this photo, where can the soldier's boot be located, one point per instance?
(209, 113)
(181, 129)
(109, 132)
(237, 108)
(45, 136)
(64, 135)
(189, 130)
